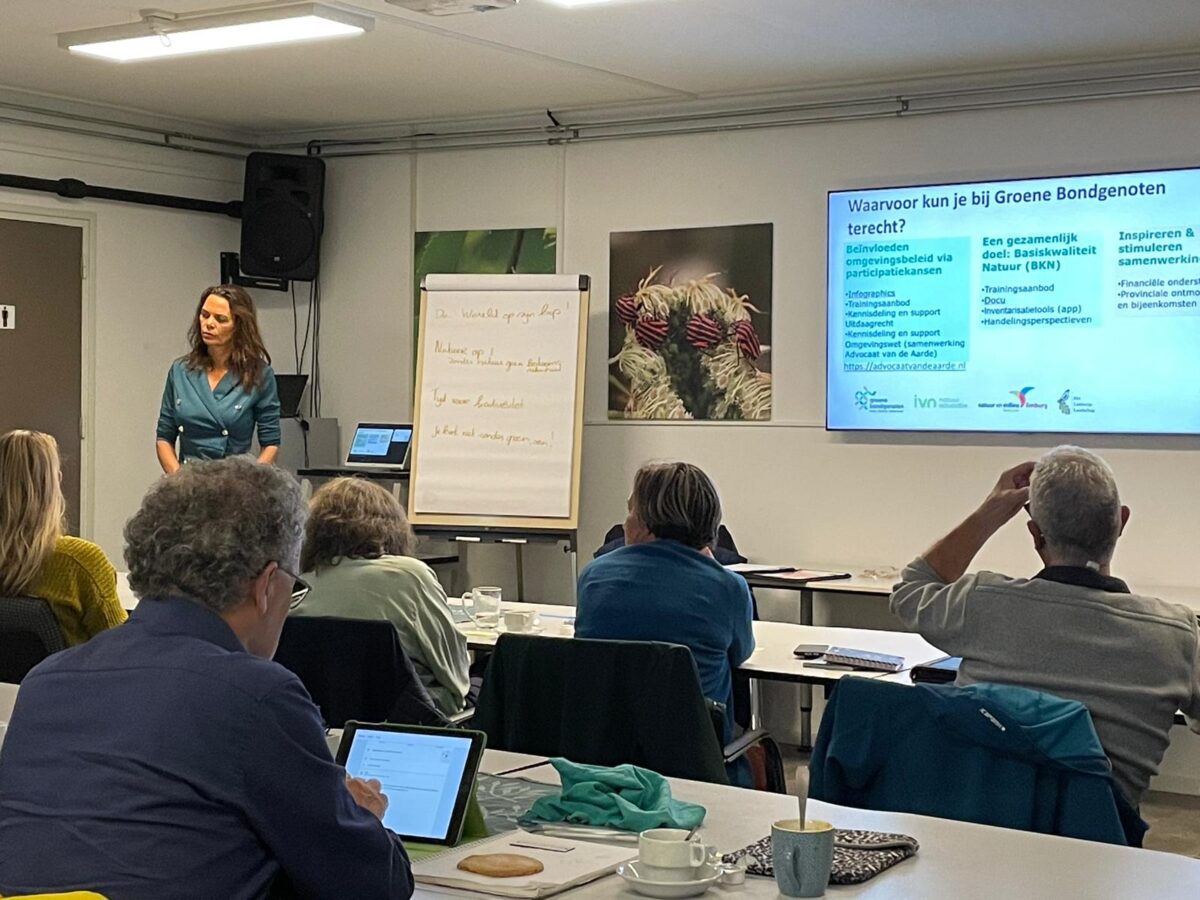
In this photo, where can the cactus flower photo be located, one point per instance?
(690, 323)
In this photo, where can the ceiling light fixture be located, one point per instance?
(571, 4)
(162, 33)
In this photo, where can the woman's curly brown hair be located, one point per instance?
(356, 519)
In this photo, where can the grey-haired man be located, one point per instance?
(1072, 630)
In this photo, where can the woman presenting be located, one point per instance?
(224, 388)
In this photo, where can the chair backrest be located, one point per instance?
(356, 669)
(971, 754)
(725, 551)
(28, 634)
(600, 702)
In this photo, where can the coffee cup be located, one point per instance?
(802, 854)
(518, 620)
(485, 606)
(666, 854)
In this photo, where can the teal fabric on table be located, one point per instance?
(626, 797)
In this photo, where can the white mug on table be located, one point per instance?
(667, 854)
(518, 620)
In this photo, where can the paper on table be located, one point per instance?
(803, 575)
(567, 863)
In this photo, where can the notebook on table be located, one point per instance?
(937, 671)
(564, 864)
(785, 573)
(863, 659)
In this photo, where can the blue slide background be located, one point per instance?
(1083, 316)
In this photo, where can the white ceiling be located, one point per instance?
(415, 68)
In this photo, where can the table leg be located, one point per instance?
(806, 706)
(806, 699)
(520, 573)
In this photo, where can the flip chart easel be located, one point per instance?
(498, 412)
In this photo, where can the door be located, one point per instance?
(41, 339)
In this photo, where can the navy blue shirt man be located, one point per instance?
(171, 757)
(664, 584)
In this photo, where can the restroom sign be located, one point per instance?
(8, 318)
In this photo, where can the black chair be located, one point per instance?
(606, 703)
(28, 634)
(725, 552)
(357, 669)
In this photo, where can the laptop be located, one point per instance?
(428, 775)
(380, 446)
(291, 389)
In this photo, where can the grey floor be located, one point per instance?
(1174, 819)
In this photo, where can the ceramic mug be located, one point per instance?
(802, 857)
(485, 606)
(666, 854)
(518, 620)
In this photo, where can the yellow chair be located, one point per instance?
(70, 895)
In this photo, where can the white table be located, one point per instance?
(857, 583)
(772, 659)
(957, 860)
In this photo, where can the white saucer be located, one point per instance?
(536, 629)
(708, 877)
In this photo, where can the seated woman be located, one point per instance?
(36, 558)
(356, 557)
(664, 584)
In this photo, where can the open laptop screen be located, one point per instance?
(380, 445)
(428, 775)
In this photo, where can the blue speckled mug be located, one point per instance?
(802, 858)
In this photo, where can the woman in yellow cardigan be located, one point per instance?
(36, 558)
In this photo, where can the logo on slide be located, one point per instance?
(1022, 395)
(1070, 402)
(862, 399)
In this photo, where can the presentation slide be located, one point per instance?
(1053, 304)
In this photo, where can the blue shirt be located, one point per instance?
(213, 424)
(161, 759)
(664, 591)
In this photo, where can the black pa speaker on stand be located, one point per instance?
(282, 216)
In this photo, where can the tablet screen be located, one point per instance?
(427, 775)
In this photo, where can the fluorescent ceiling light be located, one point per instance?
(162, 34)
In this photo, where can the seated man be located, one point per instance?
(170, 756)
(664, 585)
(1071, 630)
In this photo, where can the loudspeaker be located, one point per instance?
(282, 216)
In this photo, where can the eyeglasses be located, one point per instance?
(300, 588)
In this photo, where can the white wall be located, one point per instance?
(149, 268)
(793, 491)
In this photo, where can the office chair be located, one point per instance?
(28, 634)
(357, 669)
(725, 552)
(606, 703)
(987, 753)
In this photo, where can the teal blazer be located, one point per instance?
(213, 424)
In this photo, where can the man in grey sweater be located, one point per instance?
(1072, 629)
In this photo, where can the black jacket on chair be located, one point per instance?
(355, 669)
(600, 702)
